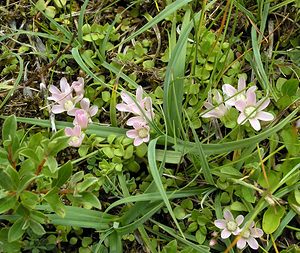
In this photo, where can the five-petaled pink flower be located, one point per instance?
(140, 133)
(142, 106)
(248, 236)
(253, 111)
(65, 102)
(76, 135)
(217, 111)
(229, 224)
(232, 94)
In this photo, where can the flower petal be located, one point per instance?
(240, 105)
(252, 243)
(132, 134)
(220, 223)
(241, 243)
(54, 90)
(239, 220)
(137, 141)
(64, 85)
(264, 116)
(228, 215)
(93, 110)
(255, 124)
(139, 94)
(241, 84)
(263, 104)
(256, 232)
(69, 131)
(225, 233)
(85, 104)
(126, 98)
(134, 121)
(208, 105)
(217, 97)
(56, 109)
(241, 120)
(251, 97)
(229, 90)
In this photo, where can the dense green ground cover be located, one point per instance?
(149, 126)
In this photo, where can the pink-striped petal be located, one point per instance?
(251, 98)
(93, 110)
(225, 234)
(139, 94)
(255, 124)
(228, 215)
(252, 243)
(220, 223)
(229, 90)
(239, 220)
(132, 134)
(137, 141)
(56, 109)
(241, 84)
(64, 85)
(263, 104)
(240, 105)
(241, 243)
(264, 116)
(69, 131)
(241, 120)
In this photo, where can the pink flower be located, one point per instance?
(253, 111)
(229, 224)
(81, 118)
(248, 236)
(141, 107)
(217, 111)
(76, 135)
(78, 86)
(233, 95)
(63, 98)
(140, 133)
(66, 105)
(64, 92)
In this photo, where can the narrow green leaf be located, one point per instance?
(157, 179)
(9, 128)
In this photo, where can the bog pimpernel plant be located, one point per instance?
(149, 126)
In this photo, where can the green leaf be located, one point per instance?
(290, 87)
(64, 173)
(272, 218)
(7, 203)
(16, 232)
(52, 197)
(6, 181)
(9, 128)
(86, 184)
(29, 199)
(57, 144)
(36, 227)
(52, 164)
(60, 3)
(90, 199)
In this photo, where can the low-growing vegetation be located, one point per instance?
(149, 126)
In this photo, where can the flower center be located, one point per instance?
(250, 112)
(246, 234)
(231, 226)
(68, 105)
(241, 96)
(143, 133)
(74, 139)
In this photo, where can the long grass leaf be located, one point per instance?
(157, 179)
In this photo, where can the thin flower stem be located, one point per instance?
(274, 244)
(262, 166)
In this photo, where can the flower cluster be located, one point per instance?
(230, 225)
(143, 112)
(66, 100)
(243, 100)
